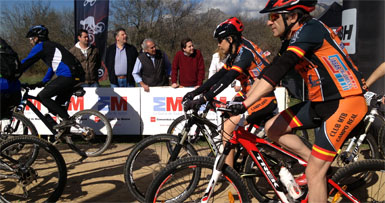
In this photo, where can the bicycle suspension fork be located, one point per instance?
(217, 171)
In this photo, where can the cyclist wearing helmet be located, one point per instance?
(244, 62)
(60, 62)
(334, 88)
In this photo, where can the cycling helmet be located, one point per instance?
(38, 31)
(289, 5)
(230, 26)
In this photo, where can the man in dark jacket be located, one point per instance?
(89, 57)
(120, 60)
(152, 67)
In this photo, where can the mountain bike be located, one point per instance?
(89, 136)
(153, 153)
(179, 181)
(35, 172)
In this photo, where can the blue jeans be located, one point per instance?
(122, 83)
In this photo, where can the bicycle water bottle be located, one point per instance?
(288, 181)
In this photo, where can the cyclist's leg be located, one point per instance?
(336, 127)
(60, 85)
(228, 128)
(279, 128)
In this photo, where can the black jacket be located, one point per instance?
(131, 53)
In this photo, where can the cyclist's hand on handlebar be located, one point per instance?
(236, 107)
(193, 104)
(188, 97)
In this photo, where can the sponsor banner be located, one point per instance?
(120, 105)
(132, 111)
(349, 27)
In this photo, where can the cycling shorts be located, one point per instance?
(336, 120)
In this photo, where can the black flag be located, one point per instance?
(92, 15)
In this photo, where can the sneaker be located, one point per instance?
(64, 124)
(301, 180)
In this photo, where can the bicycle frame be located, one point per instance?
(250, 142)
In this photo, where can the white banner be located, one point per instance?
(349, 26)
(132, 111)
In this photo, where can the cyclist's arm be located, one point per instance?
(33, 57)
(211, 81)
(378, 73)
(48, 75)
(270, 77)
(222, 84)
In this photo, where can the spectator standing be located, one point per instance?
(152, 67)
(89, 57)
(188, 63)
(217, 62)
(120, 60)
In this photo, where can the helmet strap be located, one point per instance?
(287, 27)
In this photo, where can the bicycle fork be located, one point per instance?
(217, 172)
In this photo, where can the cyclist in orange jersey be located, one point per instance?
(335, 89)
(245, 62)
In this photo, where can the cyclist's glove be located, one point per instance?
(193, 104)
(188, 97)
(237, 107)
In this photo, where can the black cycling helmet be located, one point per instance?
(38, 31)
(231, 26)
(289, 5)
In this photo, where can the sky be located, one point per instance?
(250, 8)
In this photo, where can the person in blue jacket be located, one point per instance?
(61, 63)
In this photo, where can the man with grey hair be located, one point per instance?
(152, 67)
(120, 60)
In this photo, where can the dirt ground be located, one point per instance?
(97, 179)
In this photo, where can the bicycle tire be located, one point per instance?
(365, 187)
(45, 177)
(379, 123)
(183, 171)
(147, 158)
(20, 125)
(97, 134)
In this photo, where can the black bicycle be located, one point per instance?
(35, 172)
(89, 136)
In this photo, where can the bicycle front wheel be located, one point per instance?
(148, 157)
(92, 133)
(38, 179)
(364, 179)
(178, 183)
(17, 125)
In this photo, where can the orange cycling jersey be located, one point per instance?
(324, 64)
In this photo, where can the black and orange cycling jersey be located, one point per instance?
(322, 61)
(248, 63)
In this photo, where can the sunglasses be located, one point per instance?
(220, 40)
(273, 16)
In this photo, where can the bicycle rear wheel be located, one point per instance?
(178, 183)
(38, 179)
(364, 179)
(92, 133)
(148, 157)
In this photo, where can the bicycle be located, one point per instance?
(171, 185)
(36, 172)
(152, 154)
(90, 136)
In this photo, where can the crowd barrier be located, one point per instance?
(132, 111)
